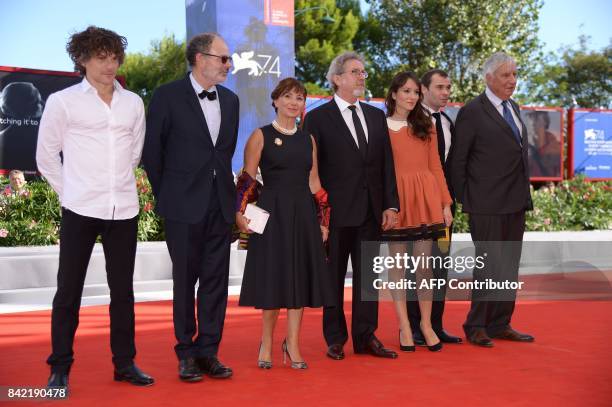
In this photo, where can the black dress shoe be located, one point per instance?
(335, 352)
(417, 338)
(376, 348)
(58, 380)
(510, 334)
(448, 338)
(211, 366)
(480, 338)
(132, 374)
(189, 371)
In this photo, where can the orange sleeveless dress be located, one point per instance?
(421, 186)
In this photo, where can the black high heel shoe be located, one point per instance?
(263, 364)
(437, 347)
(405, 348)
(294, 365)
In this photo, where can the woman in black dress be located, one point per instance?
(285, 266)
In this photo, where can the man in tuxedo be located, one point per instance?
(490, 177)
(356, 169)
(436, 89)
(192, 127)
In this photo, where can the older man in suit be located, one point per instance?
(192, 127)
(356, 169)
(490, 177)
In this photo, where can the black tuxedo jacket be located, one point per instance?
(179, 155)
(351, 181)
(489, 168)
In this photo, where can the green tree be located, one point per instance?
(454, 35)
(165, 62)
(574, 75)
(317, 43)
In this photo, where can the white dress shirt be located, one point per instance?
(210, 108)
(101, 147)
(497, 103)
(347, 115)
(446, 129)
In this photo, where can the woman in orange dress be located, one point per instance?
(425, 203)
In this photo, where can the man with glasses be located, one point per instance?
(356, 168)
(192, 127)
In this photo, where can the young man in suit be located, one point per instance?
(99, 128)
(192, 127)
(356, 169)
(490, 177)
(436, 89)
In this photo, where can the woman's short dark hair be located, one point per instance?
(287, 85)
(418, 118)
(92, 42)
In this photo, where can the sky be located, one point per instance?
(35, 32)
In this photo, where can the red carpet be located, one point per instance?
(570, 363)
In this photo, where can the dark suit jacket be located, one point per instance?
(349, 179)
(445, 161)
(180, 158)
(489, 168)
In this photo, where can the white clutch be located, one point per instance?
(257, 218)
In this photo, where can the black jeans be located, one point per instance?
(78, 235)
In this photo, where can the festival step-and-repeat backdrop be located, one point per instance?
(590, 143)
(260, 37)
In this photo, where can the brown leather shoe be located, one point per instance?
(376, 348)
(480, 338)
(510, 334)
(335, 352)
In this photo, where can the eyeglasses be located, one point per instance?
(223, 58)
(358, 72)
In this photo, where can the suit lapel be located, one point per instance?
(338, 120)
(224, 106)
(192, 100)
(517, 111)
(494, 114)
(452, 129)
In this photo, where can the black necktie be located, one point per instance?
(440, 134)
(209, 95)
(361, 138)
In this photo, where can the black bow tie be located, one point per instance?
(209, 95)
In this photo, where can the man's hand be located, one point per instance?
(389, 219)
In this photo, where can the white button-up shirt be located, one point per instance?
(446, 129)
(101, 147)
(347, 115)
(210, 108)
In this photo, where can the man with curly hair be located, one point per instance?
(99, 128)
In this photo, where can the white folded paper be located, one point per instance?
(257, 218)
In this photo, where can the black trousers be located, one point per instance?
(345, 241)
(437, 306)
(500, 237)
(199, 252)
(78, 235)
